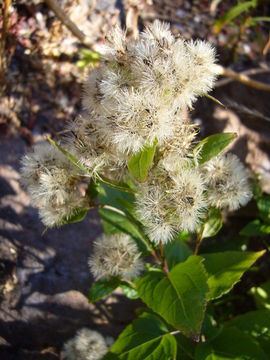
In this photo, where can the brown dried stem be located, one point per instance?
(244, 79)
(60, 14)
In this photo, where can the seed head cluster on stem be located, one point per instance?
(139, 95)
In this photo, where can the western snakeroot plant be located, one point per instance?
(137, 157)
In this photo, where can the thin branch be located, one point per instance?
(243, 78)
(60, 14)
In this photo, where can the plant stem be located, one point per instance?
(164, 264)
(199, 238)
(129, 282)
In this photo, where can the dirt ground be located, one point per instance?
(44, 279)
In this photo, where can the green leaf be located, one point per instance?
(115, 222)
(209, 327)
(69, 156)
(231, 343)
(262, 295)
(234, 12)
(114, 184)
(77, 216)
(185, 348)
(263, 204)
(256, 324)
(87, 57)
(148, 338)
(255, 20)
(179, 297)
(108, 195)
(140, 163)
(226, 269)
(176, 251)
(129, 291)
(214, 99)
(90, 54)
(102, 288)
(212, 224)
(212, 146)
(255, 228)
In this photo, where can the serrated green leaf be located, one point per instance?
(102, 288)
(262, 295)
(176, 251)
(171, 296)
(212, 146)
(256, 324)
(230, 344)
(255, 228)
(226, 269)
(234, 12)
(140, 163)
(148, 338)
(212, 224)
(77, 216)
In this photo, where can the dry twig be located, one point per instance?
(243, 78)
(53, 5)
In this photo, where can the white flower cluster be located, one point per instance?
(115, 255)
(51, 182)
(86, 345)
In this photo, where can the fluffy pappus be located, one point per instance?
(86, 345)
(115, 255)
(51, 181)
(227, 182)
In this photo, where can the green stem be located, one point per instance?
(199, 238)
(129, 282)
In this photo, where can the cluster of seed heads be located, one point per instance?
(140, 94)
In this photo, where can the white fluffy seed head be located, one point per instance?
(171, 201)
(51, 181)
(86, 345)
(88, 145)
(43, 157)
(227, 182)
(114, 49)
(189, 199)
(115, 255)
